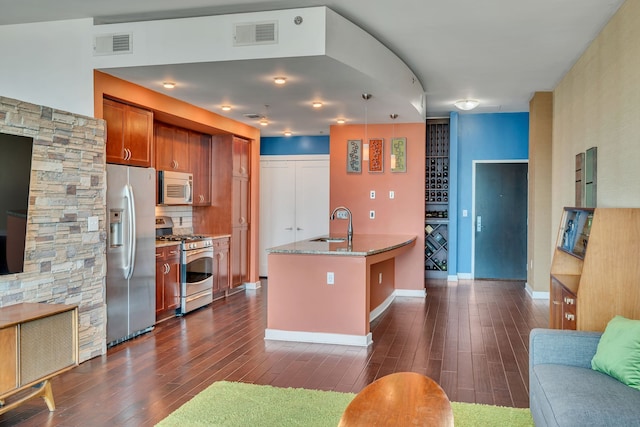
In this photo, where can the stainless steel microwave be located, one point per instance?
(175, 188)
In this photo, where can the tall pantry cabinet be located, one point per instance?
(230, 197)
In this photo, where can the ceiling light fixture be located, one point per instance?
(466, 104)
(168, 85)
(365, 146)
(317, 104)
(287, 133)
(226, 108)
(279, 80)
(264, 121)
(341, 121)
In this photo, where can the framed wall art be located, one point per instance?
(376, 153)
(354, 156)
(398, 162)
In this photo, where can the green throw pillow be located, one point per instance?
(618, 353)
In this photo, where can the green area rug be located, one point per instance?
(239, 404)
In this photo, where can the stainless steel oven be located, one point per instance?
(196, 259)
(197, 275)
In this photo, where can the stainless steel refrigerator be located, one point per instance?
(131, 274)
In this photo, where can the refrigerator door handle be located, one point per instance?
(131, 218)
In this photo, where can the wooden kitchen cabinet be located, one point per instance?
(230, 196)
(167, 281)
(129, 134)
(241, 152)
(594, 270)
(37, 342)
(172, 148)
(200, 160)
(221, 265)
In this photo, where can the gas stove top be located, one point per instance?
(164, 232)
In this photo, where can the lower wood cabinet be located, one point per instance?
(37, 342)
(221, 265)
(167, 281)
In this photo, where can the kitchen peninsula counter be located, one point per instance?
(362, 245)
(328, 292)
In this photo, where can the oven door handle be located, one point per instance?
(194, 252)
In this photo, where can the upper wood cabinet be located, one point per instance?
(172, 148)
(129, 134)
(200, 160)
(241, 151)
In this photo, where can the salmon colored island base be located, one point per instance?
(302, 306)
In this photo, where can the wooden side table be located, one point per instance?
(37, 342)
(403, 398)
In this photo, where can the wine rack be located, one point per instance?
(437, 192)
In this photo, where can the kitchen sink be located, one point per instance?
(330, 239)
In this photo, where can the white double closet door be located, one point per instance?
(294, 201)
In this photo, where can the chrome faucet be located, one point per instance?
(350, 226)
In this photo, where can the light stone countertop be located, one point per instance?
(362, 245)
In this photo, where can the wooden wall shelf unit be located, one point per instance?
(37, 342)
(595, 273)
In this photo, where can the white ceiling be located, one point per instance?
(497, 51)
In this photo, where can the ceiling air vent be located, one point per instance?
(113, 44)
(255, 33)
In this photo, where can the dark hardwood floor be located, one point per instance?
(471, 337)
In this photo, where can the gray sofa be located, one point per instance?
(565, 391)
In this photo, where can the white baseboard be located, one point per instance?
(536, 294)
(318, 337)
(382, 307)
(452, 278)
(465, 276)
(418, 293)
(252, 285)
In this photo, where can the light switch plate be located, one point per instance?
(92, 223)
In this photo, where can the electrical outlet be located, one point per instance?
(342, 215)
(392, 194)
(330, 278)
(372, 194)
(372, 214)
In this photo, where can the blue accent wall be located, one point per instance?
(499, 136)
(294, 145)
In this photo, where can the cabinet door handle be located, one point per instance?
(298, 228)
(243, 169)
(201, 198)
(289, 228)
(242, 220)
(569, 301)
(569, 316)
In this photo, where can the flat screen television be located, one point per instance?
(15, 175)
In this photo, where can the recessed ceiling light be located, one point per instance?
(226, 108)
(168, 85)
(317, 104)
(341, 121)
(287, 133)
(279, 80)
(466, 104)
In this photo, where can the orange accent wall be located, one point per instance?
(180, 113)
(402, 215)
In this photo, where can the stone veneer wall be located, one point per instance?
(64, 263)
